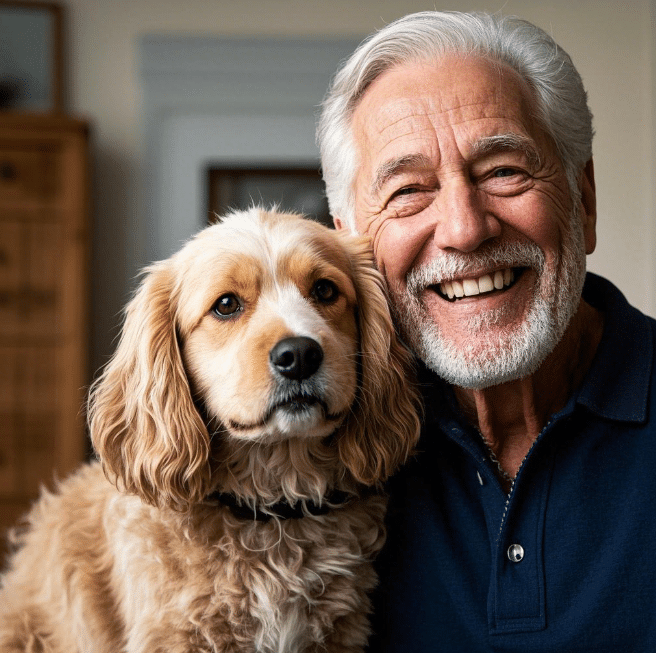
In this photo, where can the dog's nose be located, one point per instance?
(297, 358)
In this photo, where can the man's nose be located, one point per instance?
(463, 222)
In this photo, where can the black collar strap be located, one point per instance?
(283, 509)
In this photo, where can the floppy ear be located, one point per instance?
(144, 426)
(382, 432)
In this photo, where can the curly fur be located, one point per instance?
(132, 554)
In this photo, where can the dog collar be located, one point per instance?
(283, 509)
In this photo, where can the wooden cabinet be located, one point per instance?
(44, 251)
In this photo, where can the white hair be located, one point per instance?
(560, 101)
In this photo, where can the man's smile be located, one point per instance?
(499, 280)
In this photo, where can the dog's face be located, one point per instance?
(267, 320)
(262, 328)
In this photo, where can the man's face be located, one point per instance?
(471, 217)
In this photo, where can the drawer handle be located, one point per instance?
(7, 171)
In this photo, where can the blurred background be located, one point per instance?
(124, 123)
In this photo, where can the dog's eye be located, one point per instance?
(227, 305)
(325, 291)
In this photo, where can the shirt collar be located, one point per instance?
(617, 384)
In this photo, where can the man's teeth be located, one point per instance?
(471, 287)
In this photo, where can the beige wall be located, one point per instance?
(611, 42)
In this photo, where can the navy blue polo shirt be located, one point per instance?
(567, 562)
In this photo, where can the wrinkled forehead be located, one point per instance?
(447, 93)
(248, 261)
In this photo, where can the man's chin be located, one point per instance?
(478, 374)
(482, 358)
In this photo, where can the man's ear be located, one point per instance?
(339, 224)
(589, 207)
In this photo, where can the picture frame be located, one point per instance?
(299, 189)
(31, 56)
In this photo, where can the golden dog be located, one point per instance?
(257, 400)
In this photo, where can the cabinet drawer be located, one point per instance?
(31, 261)
(8, 459)
(27, 173)
(29, 417)
(11, 256)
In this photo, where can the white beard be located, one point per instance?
(490, 355)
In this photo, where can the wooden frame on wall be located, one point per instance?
(31, 56)
(297, 189)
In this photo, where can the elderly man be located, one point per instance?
(462, 145)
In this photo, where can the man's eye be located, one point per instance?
(504, 181)
(410, 190)
(227, 305)
(325, 291)
(504, 172)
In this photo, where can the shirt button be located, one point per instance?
(515, 553)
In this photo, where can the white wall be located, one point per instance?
(611, 42)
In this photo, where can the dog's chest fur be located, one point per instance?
(216, 581)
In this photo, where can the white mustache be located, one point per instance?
(459, 265)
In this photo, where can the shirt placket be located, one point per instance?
(517, 597)
(515, 523)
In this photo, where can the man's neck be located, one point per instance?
(511, 416)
